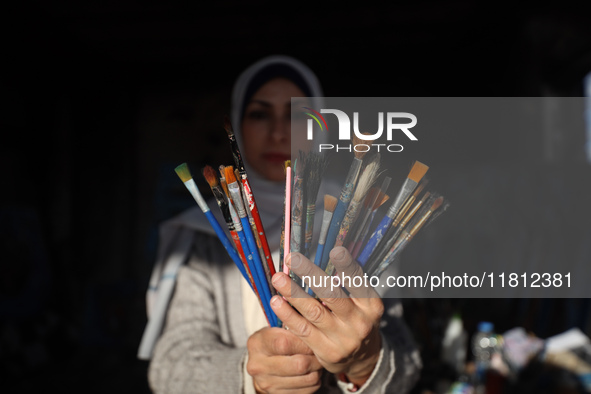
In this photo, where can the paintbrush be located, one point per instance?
(368, 204)
(297, 210)
(343, 203)
(252, 206)
(254, 259)
(381, 200)
(399, 224)
(366, 180)
(416, 174)
(256, 235)
(368, 201)
(330, 203)
(238, 230)
(408, 235)
(315, 164)
(286, 215)
(222, 200)
(185, 176)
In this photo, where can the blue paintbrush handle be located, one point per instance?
(227, 244)
(262, 285)
(318, 257)
(333, 231)
(374, 240)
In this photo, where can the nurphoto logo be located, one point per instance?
(344, 122)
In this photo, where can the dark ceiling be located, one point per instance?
(416, 48)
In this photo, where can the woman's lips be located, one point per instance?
(276, 157)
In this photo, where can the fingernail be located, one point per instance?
(276, 301)
(279, 280)
(340, 255)
(294, 261)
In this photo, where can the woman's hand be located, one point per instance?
(344, 332)
(278, 360)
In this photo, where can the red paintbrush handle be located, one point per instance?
(257, 221)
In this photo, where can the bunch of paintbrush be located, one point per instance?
(249, 244)
(373, 195)
(417, 172)
(343, 202)
(308, 172)
(433, 207)
(347, 220)
(400, 222)
(366, 180)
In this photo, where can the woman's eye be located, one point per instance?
(257, 115)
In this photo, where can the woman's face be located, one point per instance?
(266, 128)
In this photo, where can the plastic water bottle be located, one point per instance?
(484, 344)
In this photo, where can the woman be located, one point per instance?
(215, 338)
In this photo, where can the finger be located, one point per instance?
(326, 287)
(276, 341)
(354, 281)
(283, 366)
(308, 383)
(314, 316)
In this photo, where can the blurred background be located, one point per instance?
(101, 100)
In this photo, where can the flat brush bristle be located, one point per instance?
(228, 126)
(418, 171)
(437, 203)
(371, 194)
(330, 202)
(183, 172)
(287, 164)
(380, 200)
(210, 176)
(229, 174)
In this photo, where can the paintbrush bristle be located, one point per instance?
(330, 202)
(381, 200)
(183, 172)
(225, 186)
(228, 126)
(367, 178)
(369, 198)
(210, 176)
(417, 171)
(229, 174)
(286, 164)
(314, 165)
(237, 173)
(437, 203)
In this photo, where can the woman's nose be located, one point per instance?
(281, 129)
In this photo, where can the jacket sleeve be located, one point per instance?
(195, 353)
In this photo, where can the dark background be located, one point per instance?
(101, 100)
